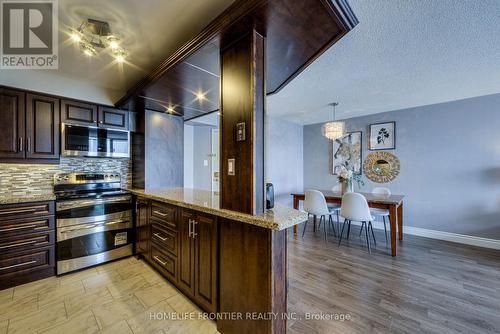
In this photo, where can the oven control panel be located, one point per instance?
(80, 178)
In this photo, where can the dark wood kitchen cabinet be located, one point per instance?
(27, 242)
(80, 113)
(198, 258)
(186, 252)
(113, 118)
(29, 127)
(88, 114)
(143, 228)
(42, 127)
(182, 245)
(12, 123)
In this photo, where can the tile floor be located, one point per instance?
(118, 297)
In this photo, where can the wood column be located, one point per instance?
(243, 101)
(137, 137)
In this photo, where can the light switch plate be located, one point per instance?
(241, 131)
(205, 163)
(231, 166)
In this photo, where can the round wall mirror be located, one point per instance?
(381, 167)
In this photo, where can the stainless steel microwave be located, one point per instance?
(90, 141)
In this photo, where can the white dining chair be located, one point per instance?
(315, 204)
(355, 208)
(335, 206)
(384, 213)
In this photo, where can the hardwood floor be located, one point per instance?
(431, 286)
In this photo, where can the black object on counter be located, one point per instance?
(269, 196)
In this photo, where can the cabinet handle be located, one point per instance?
(194, 229)
(190, 228)
(159, 213)
(28, 144)
(32, 209)
(160, 237)
(20, 148)
(160, 261)
(18, 265)
(17, 228)
(31, 242)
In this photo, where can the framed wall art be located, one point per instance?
(348, 150)
(383, 136)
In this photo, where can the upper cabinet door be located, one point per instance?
(78, 113)
(12, 113)
(113, 118)
(42, 127)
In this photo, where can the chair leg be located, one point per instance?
(361, 230)
(314, 225)
(368, 241)
(385, 230)
(330, 220)
(305, 225)
(373, 234)
(338, 221)
(319, 225)
(348, 230)
(342, 233)
(325, 228)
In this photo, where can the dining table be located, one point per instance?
(393, 203)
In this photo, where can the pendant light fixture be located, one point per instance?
(333, 130)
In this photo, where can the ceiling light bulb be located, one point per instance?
(200, 96)
(88, 53)
(170, 109)
(75, 37)
(120, 55)
(114, 45)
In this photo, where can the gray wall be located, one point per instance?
(164, 150)
(188, 155)
(284, 158)
(202, 148)
(450, 163)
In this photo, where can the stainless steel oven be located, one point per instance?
(93, 220)
(90, 141)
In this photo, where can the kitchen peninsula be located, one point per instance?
(225, 261)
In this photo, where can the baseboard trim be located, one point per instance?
(447, 236)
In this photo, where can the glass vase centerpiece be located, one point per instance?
(347, 177)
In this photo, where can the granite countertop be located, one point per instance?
(13, 198)
(278, 218)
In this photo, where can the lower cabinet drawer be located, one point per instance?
(26, 210)
(26, 226)
(164, 214)
(27, 266)
(165, 263)
(22, 242)
(164, 238)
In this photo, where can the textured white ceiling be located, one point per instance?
(403, 53)
(152, 29)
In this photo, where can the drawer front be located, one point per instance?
(24, 242)
(164, 238)
(26, 210)
(167, 264)
(164, 214)
(24, 262)
(26, 226)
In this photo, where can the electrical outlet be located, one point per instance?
(231, 166)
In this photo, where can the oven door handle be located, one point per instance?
(80, 204)
(110, 223)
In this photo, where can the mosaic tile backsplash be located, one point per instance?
(38, 179)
